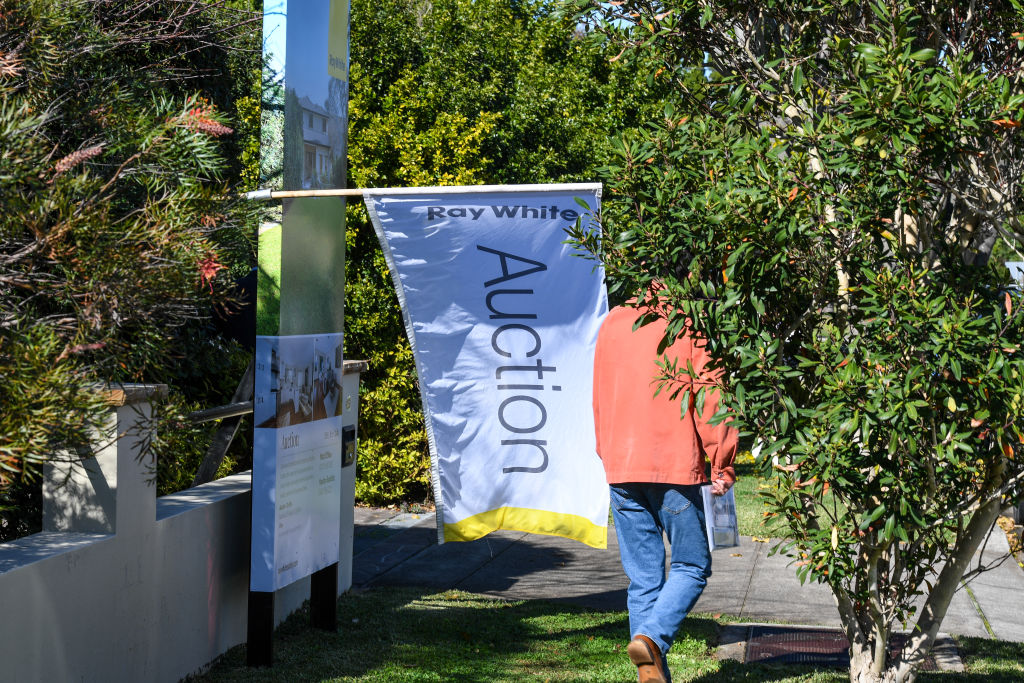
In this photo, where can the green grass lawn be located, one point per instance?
(268, 282)
(749, 506)
(405, 634)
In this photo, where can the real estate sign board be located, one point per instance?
(297, 443)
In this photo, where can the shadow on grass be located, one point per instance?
(410, 634)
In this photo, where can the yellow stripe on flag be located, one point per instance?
(531, 521)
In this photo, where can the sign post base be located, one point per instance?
(260, 632)
(323, 598)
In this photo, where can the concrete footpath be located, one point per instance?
(400, 549)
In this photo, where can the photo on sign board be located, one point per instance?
(327, 369)
(287, 398)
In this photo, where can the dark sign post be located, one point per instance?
(297, 401)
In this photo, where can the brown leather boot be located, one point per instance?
(646, 656)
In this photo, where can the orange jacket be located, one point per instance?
(642, 437)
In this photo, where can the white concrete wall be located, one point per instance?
(121, 586)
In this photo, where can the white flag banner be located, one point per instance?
(502, 316)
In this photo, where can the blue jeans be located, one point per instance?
(657, 606)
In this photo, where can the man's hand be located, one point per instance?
(720, 486)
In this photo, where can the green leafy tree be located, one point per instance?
(457, 92)
(820, 202)
(115, 239)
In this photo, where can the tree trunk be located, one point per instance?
(869, 661)
(864, 664)
(863, 669)
(866, 675)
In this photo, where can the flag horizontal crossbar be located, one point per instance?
(267, 195)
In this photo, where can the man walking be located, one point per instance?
(655, 462)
